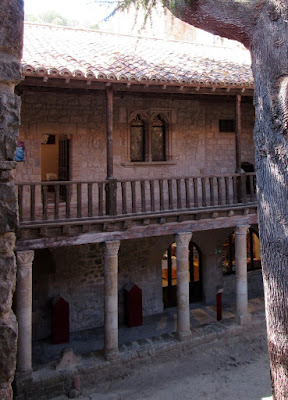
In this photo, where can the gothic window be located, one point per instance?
(137, 140)
(158, 140)
(148, 139)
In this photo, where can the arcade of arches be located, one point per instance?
(228, 264)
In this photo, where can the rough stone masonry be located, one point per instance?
(11, 33)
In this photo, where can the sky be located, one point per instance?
(82, 10)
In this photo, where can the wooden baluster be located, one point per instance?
(152, 195)
(161, 194)
(170, 194)
(195, 189)
(143, 196)
(187, 193)
(20, 202)
(203, 184)
(235, 183)
(133, 193)
(100, 198)
(251, 186)
(32, 202)
(179, 200)
(56, 201)
(227, 189)
(254, 187)
(219, 191)
(90, 199)
(68, 200)
(124, 198)
(212, 198)
(79, 200)
(44, 202)
(243, 188)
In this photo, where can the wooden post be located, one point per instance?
(238, 133)
(112, 184)
(111, 197)
(109, 131)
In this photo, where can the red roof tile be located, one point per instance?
(85, 54)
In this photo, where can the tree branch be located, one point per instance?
(233, 19)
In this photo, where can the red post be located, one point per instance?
(219, 304)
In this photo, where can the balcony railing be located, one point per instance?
(50, 201)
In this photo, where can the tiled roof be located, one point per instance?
(85, 54)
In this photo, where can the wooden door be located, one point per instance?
(64, 167)
(195, 274)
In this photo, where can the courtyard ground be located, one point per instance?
(228, 368)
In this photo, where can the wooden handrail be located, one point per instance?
(55, 200)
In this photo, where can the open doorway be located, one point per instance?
(169, 275)
(55, 164)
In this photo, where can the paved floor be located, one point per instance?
(93, 339)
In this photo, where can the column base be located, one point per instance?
(24, 374)
(244, 319)
(183, 336)
(111, 354)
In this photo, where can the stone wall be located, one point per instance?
(76, 273)
(11, 28)
(255, 287)
(197, 146)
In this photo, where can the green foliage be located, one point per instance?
(51, 17)
(95, 27)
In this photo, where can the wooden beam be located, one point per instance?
(109, 131)
(137, 232)
(77, 85)
(238, 133)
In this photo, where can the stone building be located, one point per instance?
(135, 166)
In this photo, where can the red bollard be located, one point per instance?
(76, 383)
(219, 304)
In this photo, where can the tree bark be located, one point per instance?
(11, 34)
(262, 26)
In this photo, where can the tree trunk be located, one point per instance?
(11, 32)
(262, 26)
(270, 71)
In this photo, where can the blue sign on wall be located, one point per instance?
(20, 152)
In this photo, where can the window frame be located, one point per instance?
(148, 118)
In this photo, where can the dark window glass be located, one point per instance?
(137, 140)
(51, 139)
(158, 140)
(226, 125)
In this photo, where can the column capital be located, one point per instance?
(241, 229)
(25, 258)
(183, 238)
(111, 248)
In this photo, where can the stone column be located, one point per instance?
(183, 309)
(242, 314)
(11, 17)
(111, 299)
(24, 310)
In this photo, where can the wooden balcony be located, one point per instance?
(48, 209)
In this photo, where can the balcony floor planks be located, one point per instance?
(42, 234)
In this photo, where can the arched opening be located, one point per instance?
(253, 252)
(169, 275)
